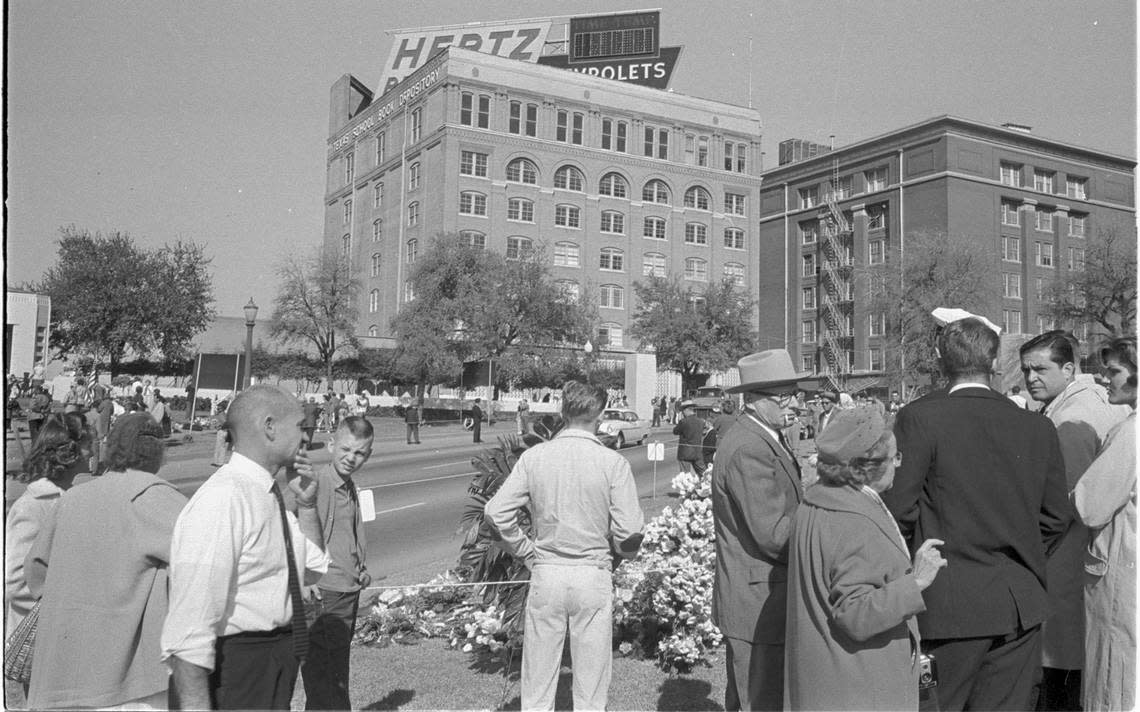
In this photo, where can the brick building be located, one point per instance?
(612, 180)
(1034, 201)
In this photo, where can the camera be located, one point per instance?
(927, 672)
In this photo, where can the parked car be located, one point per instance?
(624, 426)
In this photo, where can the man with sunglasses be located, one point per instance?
(755, 491)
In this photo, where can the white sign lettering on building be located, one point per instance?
(385, 109)
(521, 39)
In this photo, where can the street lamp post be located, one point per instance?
(250, 319)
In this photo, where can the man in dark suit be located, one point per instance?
(690, 443)
(988, 478)
(755, 492)
(477, 418)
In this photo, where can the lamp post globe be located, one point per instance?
(250, 319)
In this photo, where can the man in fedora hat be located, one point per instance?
(755, 492)
(690, 443)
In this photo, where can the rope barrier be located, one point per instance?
(477, 584)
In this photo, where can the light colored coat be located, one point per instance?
(1083, 417)
(1105, 499)
(101, 565)
(852, 635)
(25, 520)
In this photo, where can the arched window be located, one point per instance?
(414, 176)
(697, 269)
(655, 191)
(612, 259)
(697, 197)
(522, 170)
(374, 300)
(518, 247)
(653, 263)
(613, 185)
(375, 265)
(654, 228)
(566, 254)
(611, 296)
(413, 248)
(568, 216)
(346, 246)
(520, 210)
(473, 238)
(735, 272)
(696, 234)
(374, 330)
(413, 213)
(471, 203)
(377, 230)
(568, 178)
(613, 222)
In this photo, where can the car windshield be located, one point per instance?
(708, 392)
(611, 415)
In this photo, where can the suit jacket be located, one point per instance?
(692, 431)
(755, 492)
(987, 478)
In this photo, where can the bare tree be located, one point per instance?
(316, 305)
(1101, 288)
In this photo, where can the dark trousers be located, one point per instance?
(34, 428)
(325, 670)
(477, 431)
(996, 673)
(755, 675)
(1060, 690)
(254, 671)
(696, 466)
(413, 433)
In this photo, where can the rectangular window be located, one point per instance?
(377, 230)
(876, 250)
(875, 359)
(514, 123)
(567, 216)
(876, 179)
(561, 126)
(1044, 254)
(472, 204)
(622, 127)
(690, 148)
(381, 145)
(607, 133)
(1010, 213)
(807, 362)
(1011, 249)
(378, 195)
(484, 116)
(566, 254)
(662, 144)
(576, 130)
(809, 232)
(1011, 174)
(807, 331)
(1077, 225)
(808, 298)
(733, 204)
(611, 297)
(843, 188)
(729, 152)
(1076, 258)
(734, 238)
(1039, 288)
(472, 163)
(417, 124)
(741, 157)
(807, 266)
(347, 212)
(654, 228)
(532, 119)
(1043, 181)
(1011, 321)
(653, 264)
(703, 151)
(349, 167)
(1011, 285)
(1045, 323)
(876, 218)
(809, 197)
(1076, 188)
(467, 108)
(609, 335)
(650, 133)
(1044, 220)
(876, 324)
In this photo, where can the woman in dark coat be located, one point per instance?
(852, 639)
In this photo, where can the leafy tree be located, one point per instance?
(932, 270)
(316, 305)
(1102, 291)
(110, 296)
(476, 304)
(693, 331)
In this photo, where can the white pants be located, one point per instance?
(578, 598)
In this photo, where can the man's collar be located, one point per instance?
(245, 464)
(968, 384)
(570, 432)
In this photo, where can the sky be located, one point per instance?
(208, 121)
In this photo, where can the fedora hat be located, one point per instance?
(766, 369)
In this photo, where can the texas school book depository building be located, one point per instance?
(614, 180)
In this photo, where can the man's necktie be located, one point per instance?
(300, 629)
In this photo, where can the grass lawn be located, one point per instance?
(432, 676)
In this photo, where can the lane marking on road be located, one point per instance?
(397, 509)
(446, 464)
(416, 482)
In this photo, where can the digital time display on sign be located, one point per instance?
(610, 36)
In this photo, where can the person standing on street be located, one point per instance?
(1080, 410)
(312, 411)
(755, 492)
(103, 411)
(414, 418)
(235, 632)
(477, 421)
(335, 600)
(987, 478)
(690, 443)
(583, 502)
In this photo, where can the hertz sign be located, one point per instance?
(625, 47)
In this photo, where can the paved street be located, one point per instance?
(420, 491)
